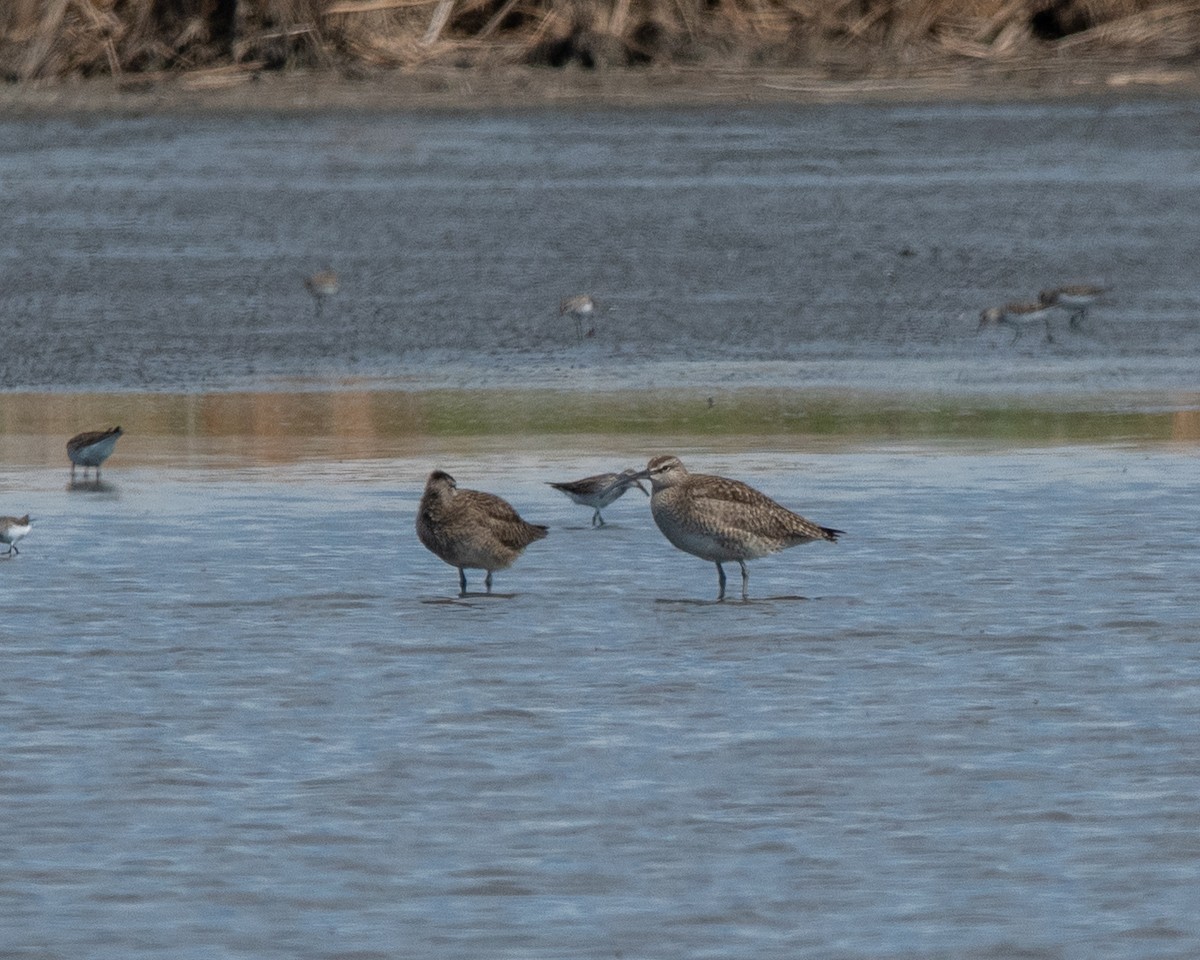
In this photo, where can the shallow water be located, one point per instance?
(244, 714)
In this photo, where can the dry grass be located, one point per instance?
(59, 38)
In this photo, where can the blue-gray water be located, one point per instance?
(243, 714)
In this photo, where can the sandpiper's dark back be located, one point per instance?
(92, 448)
(599, 491)
(470, 529)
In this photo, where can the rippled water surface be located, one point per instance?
(243, 714)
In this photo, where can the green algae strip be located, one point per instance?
(323, 423)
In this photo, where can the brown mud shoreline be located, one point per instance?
(481, 88)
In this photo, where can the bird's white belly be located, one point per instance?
(713, 547)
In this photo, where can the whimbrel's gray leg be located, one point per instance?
(597, 520)
(1049, 335)
(1016, 334)
(745, 581)
(720, 582)
(487, 581)
(1077, 318)
(462, 581)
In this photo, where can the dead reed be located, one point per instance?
(60, 38)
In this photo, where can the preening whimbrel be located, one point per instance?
(471, 530)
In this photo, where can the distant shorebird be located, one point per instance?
(579, 308)
(722, 520)
(470, 529)
(321, 285)
(91, 449)
(599, 491)
(13, 529)
(1075, 298)
(1018, 316)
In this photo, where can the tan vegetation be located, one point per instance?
(230, 38)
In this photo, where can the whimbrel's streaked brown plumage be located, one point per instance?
(13, 529)
(722, 520)
(1018, 316)
(471, 530)
(599, 491)
(1075, 298)
(578, 308)
(92, 448)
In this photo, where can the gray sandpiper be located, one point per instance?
(91, 449)
(599, 491)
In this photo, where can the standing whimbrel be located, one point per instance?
(470, 529)
(578, 307)
(599, 491)
(1017, 316)
(1075, 298)
(721, 520)
(321, 285)
(91, 449)
(13, 529)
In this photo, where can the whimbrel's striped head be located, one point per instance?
(664, 471)
(440, 485)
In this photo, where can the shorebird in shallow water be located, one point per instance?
(471, 530)
(1018, 316)
(321, 285)
(91, 449)
(722, 520)
(579, 308)
(13, 529)
(1075, 298)
(599, 491)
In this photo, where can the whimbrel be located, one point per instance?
(320, 285)
(599, 491)
(721, 520)
(578, 307)
(91, 449)
(471, 529)
(1018, 316)
(13, 529)
(1075, 298)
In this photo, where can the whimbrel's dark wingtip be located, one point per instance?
(831, 534)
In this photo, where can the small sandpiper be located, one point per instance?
(471, 529)
(320, 285)
(599, 491)
(1018, 316)
(13, 529)
(1075, 298)
(721, 520)
(91, 449)
(579, 307)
